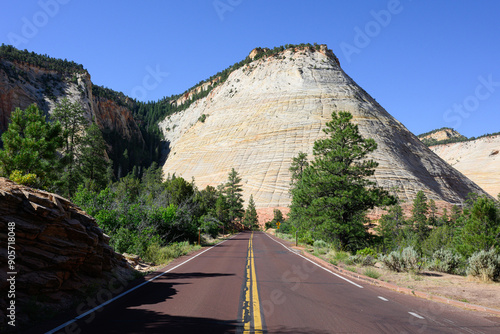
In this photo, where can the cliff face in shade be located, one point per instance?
(23, 84)
(269, 110)
(478, 159)
(60, 251)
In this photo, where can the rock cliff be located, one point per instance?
(444, 134)
(22, 84)
(59, 251)
(269, 110)
(478, 159)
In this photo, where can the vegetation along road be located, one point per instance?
(253, 283)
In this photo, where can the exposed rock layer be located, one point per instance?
(271, 109)
(24, 84)
(478, 159)
(59, 249)
(442, 134)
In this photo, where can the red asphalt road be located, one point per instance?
(205, 295)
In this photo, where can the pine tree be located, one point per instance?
(251, 219)
(333, 193)
(233, 195)
(299, 163)
(94, 166)
(419, 215)
(30, 146)
(71, 115)
(391, 227)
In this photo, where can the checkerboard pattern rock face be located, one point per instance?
(268, 111)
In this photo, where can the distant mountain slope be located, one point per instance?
(27, 78)
(478, 159)
(268, 110)
(441, 136)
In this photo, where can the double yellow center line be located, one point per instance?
(251, 306)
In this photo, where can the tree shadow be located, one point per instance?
(129, 315)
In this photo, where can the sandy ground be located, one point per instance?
(454, 287)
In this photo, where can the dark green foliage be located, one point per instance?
(93, 167)
(62, 66)
(251, 220)
(299, 164)
(233, 194)
(73, 122)
(30, 146)
(333, 193)
(392, 227)
(419, 216)
(479, 226)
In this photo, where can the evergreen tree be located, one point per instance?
(30, 146)
(251, 220)
(333, 193)
(433, 219)
(71, 115)
(479, 226)
(391, 227)
(419, 215)
(299, 163)
(233, 194)
(94, 166)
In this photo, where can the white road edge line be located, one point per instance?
(416, 315)
(384, 299)
(129, 291)
(302, 256)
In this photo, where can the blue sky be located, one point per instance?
(428, 63)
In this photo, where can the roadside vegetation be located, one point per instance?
(331, 196)
(142, 212)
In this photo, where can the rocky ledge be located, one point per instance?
(60, 253)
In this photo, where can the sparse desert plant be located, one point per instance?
(341, 256)
(411, 259)
(407, 260)
(444, 260)
(363, 260)
(484, 265)
(393, 261)
(320, 244)
(370, 272)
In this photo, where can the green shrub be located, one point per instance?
(341, 256)
(444, 260)
(367, 251)
(407, 260)
(363, 260)
(484, 265)
(393, 261)
(320, 244)
(370, 272)
(411, 259)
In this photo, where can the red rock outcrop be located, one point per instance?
(59, 250)
(23, 84)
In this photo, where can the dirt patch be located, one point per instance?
(454, 287)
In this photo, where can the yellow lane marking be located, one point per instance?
(251, 305)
